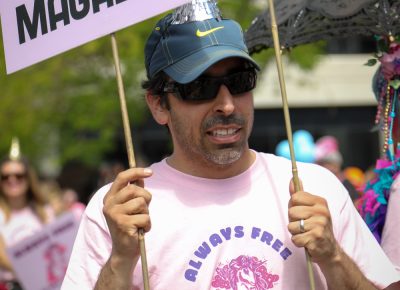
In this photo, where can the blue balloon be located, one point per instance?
(282, 149)
(304, 147)
(303, 137)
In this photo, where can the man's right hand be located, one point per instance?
(126, 209)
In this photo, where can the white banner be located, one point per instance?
(34, 30)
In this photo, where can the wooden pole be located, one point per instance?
(296, 181)
(129, 149)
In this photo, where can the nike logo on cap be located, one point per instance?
(205, 33)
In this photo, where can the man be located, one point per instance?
(221, 215)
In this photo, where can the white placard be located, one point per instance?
(40, 261)
(34, 30)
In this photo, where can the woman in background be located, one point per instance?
(23, 209)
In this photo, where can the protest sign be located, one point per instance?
(34, 30)
(40, 261)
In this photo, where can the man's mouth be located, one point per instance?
(224, 132)
(224, 135)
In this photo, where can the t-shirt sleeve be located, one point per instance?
(391, 231)
(358, 242)
(91, 249)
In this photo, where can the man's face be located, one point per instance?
(215, 131)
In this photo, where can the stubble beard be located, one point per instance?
(224, 155)
(200, 151)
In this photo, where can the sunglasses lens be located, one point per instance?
(18, 176)
(201, 89)
(206, 88)
(191, 91)
(242, 82)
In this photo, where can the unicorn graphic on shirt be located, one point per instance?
(244, 273)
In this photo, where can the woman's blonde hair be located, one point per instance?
(35, 199)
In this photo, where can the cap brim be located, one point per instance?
(191, 67)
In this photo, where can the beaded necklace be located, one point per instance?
(386, 86)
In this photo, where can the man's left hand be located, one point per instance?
(315, 233)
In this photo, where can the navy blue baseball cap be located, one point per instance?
(185, 51)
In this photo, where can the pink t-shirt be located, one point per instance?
(391, 231)
(228, 234)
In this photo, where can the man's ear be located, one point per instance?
(160, 113)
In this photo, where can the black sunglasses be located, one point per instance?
(18, 176)
(206, 88)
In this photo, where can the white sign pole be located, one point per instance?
(130, 151)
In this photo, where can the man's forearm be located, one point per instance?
(343, 274)
(116, 274)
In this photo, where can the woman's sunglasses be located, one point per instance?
(18, 176)
(206, 88)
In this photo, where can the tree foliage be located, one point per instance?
(67, 108)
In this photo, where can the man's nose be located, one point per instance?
(224, 102)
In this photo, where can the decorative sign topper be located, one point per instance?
(34, 30)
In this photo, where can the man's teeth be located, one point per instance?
(223, 132)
